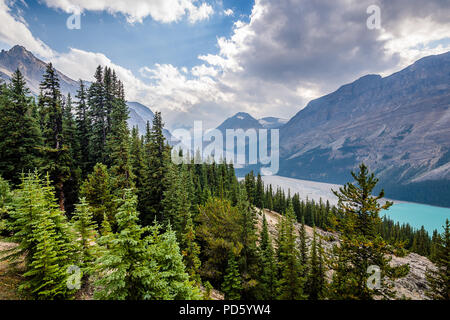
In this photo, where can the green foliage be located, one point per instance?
(219, 233)
(97, 189)
(45, 239)
(86, 235)
(439, 279)
(20, 136)
(361, 245)
(6, 198)
(290, 284)
(126, 270)
(232, 285)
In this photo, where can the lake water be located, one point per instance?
(419, 214)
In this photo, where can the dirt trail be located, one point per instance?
(9, 280)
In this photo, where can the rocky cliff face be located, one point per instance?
(413, 286)
(398, 125)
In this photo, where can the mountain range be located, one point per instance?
(398, 125)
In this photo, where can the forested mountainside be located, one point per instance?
(92, 206)
(398, 125)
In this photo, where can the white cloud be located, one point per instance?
(228, 12)
(288, 53)
(165, 11)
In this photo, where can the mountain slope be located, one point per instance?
(32, 69)
(398, 125)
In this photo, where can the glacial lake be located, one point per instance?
(418, 215)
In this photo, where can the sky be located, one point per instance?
(209, 59)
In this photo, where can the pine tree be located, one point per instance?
(164, 250)
(118, 141)
(83, 126)
(291, 283)
(249, 257)
(97, 115)
(439, 279)
(315, 285)
(45, 239)
(232, 285)
(71, 185)
(97, 189)
(361, 245)
(126, 270)
(56, 152)
(20, 136)
(303, 249)
(268, 276)
(86, 234)
(6, 198)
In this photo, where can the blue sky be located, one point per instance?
(209, 59)
(139, 44)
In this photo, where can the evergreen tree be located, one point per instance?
(83, 129)
(86, 235)
(315, 286)
(361, 245)
(56, 153)
(232, 285)
(291, 283)
(97, 115)
(439, 279)
(164, 250)
(20, 136)
(268, 276)
(156, 158)
(118, 141)
(249, 257)
(126, 270)
(97, 189)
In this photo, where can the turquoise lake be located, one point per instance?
(419, 214)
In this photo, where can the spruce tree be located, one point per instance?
(315, 285)
(85, 228)
(20, 135)
(268, 276)
(175, 283)
(439, 279)
(83, 129)
(56, 153)
(291, 282)
(126, 270)
(361, 245)
(232, 284)
(97, 189)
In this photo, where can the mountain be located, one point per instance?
(245, 121)
(272, 122)
(398, 125)
(33, 69)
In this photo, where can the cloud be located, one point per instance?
(15, 31)
(287, 53)
(228, 12)
(165, 11)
